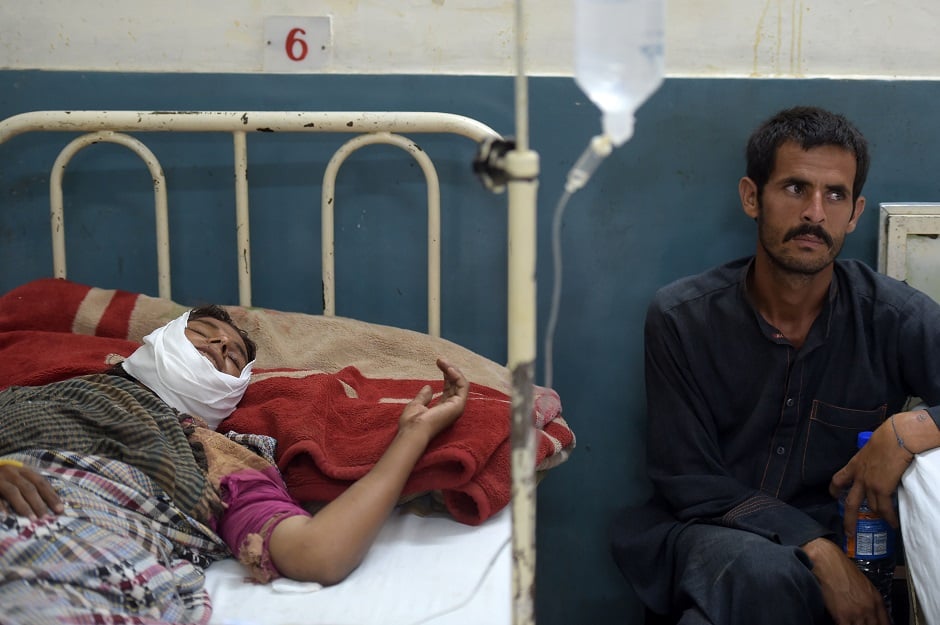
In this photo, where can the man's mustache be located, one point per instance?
(811, 230)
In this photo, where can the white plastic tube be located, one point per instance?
(597, 150)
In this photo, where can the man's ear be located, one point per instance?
(750, 203)
(859, 209)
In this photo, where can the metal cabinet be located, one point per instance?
(909, 244)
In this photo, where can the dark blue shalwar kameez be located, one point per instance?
(746, 431)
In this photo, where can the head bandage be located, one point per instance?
(170, 365)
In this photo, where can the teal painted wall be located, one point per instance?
(662, 206)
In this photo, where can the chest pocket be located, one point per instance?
(832, 439)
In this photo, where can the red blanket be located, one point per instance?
(330, 390)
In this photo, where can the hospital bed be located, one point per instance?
(445, 556)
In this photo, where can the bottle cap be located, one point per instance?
(863, 438)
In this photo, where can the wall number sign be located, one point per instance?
(297, 44)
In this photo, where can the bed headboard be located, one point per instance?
(368, 128)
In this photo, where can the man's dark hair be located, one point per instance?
(217, 312)
(809, 127)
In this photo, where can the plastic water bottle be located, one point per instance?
(873, 546)
(619, 58)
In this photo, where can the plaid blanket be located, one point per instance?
(120, 553)
(110, 416)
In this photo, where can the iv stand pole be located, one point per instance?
(522, 169)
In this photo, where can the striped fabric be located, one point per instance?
(109, 416)
(120, 553)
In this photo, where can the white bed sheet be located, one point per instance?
(919, 506)
(420, 570)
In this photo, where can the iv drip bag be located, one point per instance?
(619, 58)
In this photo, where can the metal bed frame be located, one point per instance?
(369, 128)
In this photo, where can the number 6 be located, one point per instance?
(293, 40)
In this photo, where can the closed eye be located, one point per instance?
(195, 331)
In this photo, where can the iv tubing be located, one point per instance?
(597, 150)
(556, 287)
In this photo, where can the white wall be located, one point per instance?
(710, 38)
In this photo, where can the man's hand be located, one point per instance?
(26, 492)
(873, 474)
(850, 598)
(419, 414)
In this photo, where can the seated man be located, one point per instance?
(104, 453)
(759, 376)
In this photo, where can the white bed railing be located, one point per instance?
(371, 128)
(57, 202)
(434, 220)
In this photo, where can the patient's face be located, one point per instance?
(219, 342)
